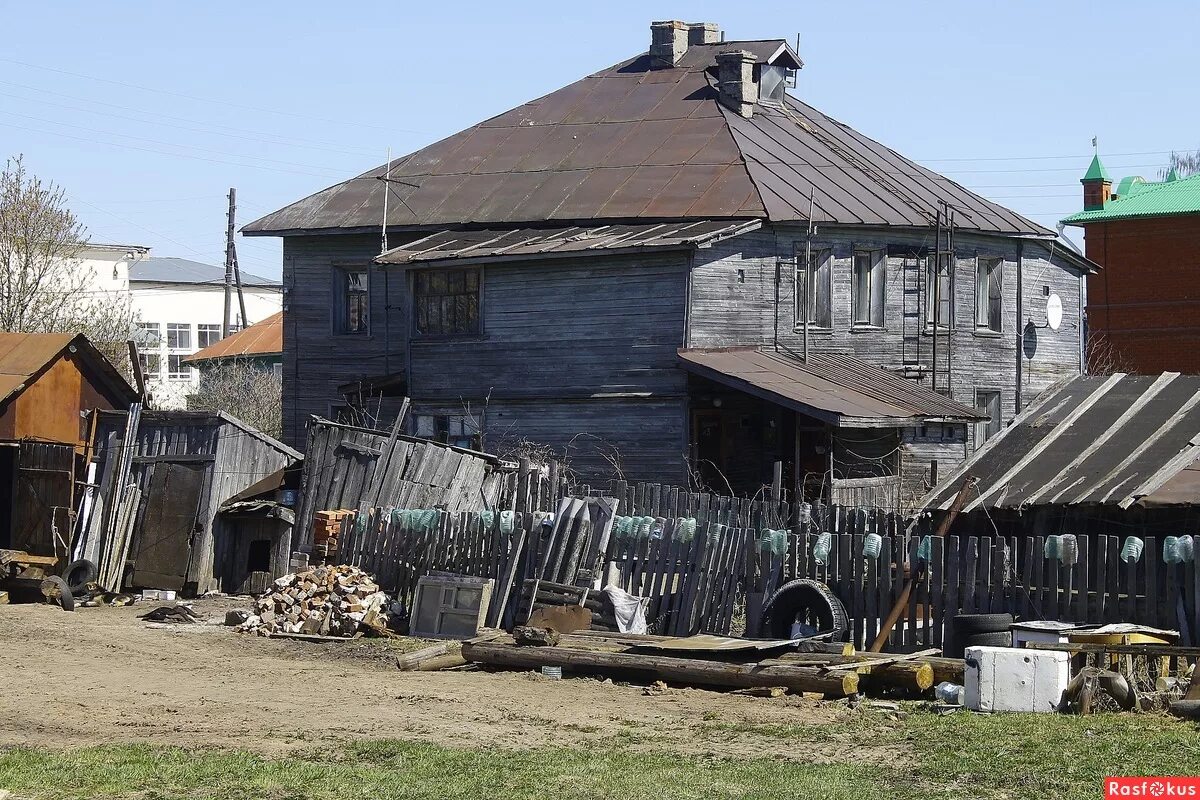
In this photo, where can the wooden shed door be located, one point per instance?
(42, 498)
(168, 521)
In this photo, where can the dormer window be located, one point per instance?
(773, 82)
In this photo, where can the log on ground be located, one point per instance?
(797, 678)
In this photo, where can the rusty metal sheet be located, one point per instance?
(260, 339)
(453, 245)
(838, 389)
(707, 643)
(638, 114)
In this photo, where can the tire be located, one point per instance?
(55, 589)
(994, 639)
(809, 601)
(970, 624)
(78, 574)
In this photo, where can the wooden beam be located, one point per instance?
(681, 670)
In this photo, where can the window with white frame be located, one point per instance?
(149, 335)
(151, 365)
(208, 334)
(939, 291)
(179, 336)
(987, 401)
(813, 288)
(870, 270)
(989, 273)
(176, 369)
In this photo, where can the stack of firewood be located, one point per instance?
(321, 601)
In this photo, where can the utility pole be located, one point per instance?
(233, 274)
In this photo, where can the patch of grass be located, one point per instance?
(1046, 755)
(997, 756)
(382, 770)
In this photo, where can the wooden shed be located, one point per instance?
(47, 383)
(48, 380)
(152, 525)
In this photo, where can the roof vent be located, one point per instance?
(670, 39)
(736, 86)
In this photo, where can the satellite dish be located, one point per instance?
(1053, 311)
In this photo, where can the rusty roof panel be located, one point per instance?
(263, 338)
(838, 389)
(638, 114)
(448, 246)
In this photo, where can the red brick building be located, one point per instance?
(1143, 308)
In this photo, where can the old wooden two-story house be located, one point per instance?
(673, 268)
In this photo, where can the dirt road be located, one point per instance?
(101, 675)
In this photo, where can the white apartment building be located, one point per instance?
(180, 304)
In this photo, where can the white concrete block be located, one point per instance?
(1011, 679)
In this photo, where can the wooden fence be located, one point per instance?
(980, 575)
(714, 577)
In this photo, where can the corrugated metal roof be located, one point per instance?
(260, 339)
(560, 242)
(1164, 199)
(24, 355)
(838, 389)
(168, 269)
(1091, 440)
(640, 140)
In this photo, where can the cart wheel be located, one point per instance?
(55, 590)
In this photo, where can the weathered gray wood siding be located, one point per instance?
(734, 303)
(315, 359)
(578, 355)
(725, 312)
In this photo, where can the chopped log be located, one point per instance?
(947, 669)
(529, 635)
(910, 675)
(414, 660)
(899, 672)
(448, 661)
(797, 678)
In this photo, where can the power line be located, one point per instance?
(170, 144)
(256, 108)
(156, 118)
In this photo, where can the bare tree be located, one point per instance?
(42, 287)
(1185, 164)
(1103, 358)
(248, 390)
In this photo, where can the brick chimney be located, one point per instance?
(670, 39)
(1097, 186)
(736, 85)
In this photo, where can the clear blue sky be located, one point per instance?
(147, 112)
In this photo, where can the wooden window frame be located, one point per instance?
(930, 276)
(994, 425)
(823, 257)
(340, 308)
(418, 276)
(877, 271)
(983, 323)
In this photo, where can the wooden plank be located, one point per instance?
(1113, 611)
(935, 605)
(971, 563)
(1039, 564)
(954, 556)
(1151, 614)
(983, 595)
